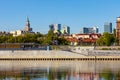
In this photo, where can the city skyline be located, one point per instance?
(76, 14)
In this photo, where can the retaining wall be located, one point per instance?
(50, 55)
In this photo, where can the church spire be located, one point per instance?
(27, 19)
(27, 27)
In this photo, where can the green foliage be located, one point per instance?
(48, 39)
(62, 41)
(117, 76)
(106, 48)
(54, 39)
(106, 39)
(118, 48)
(54, 47)
(26, 38)
(107, 75)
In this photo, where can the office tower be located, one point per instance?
(108, 27)
(65, 30)
(55, 27)
(95, 30)
(86, 30)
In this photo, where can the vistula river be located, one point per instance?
(59, 70)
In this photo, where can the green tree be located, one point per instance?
(50, 37)
(106, 39)
(62, 41)
(28, 38)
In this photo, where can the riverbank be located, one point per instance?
(57, 55)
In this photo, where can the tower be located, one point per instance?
(27, 27)
(65, 30)
(108, 27)
(118, 29)
(55, 27)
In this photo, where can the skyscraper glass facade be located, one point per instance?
(108, 27)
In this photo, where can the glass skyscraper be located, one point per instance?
(108, 27)
(55, 27)
(86, 30)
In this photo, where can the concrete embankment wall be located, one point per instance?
(50, 55)
(38, 54)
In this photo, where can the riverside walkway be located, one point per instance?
(57, 55)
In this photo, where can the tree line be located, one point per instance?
(45, 39)
(51, 38)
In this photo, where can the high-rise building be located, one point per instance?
(118, 29)
(27, 27)
(108, 27)
(95, 30)
(55, 27)
(65, 30)
(86, 30)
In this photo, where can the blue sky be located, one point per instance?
(74, 13)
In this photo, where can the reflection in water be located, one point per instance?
(59, 70)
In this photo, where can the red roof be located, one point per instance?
(88, 40)
(88, 34)
(72, 40)
(81, 40)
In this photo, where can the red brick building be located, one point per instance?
(118, 29)
(83, 39)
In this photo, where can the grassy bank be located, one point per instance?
(107, 48)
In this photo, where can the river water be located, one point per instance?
(60, 70)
